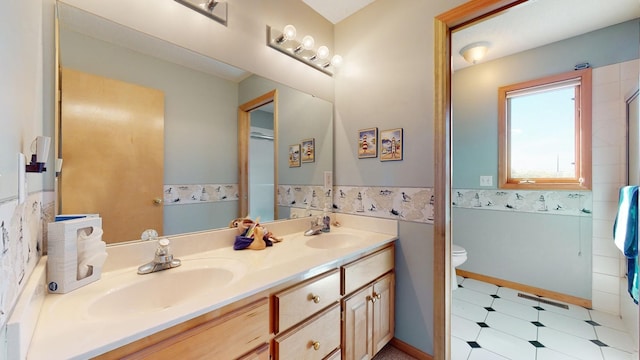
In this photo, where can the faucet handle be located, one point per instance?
(163, 247)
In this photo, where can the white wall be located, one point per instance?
(21, 119)
(612, 85)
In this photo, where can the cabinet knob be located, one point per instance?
(371, 298)
(157, 201)
(315, 298)
(316, 345)
(376, 295)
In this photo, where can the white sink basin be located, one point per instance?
(168, 288)
(333, 240)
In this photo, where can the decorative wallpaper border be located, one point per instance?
(22, 235)
(408, 204)
(573, 203)
(199, 193)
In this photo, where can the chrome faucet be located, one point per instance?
(162, 260)
(315, 227)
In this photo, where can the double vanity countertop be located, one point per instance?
(123, 307)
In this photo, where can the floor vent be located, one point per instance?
(542, 300)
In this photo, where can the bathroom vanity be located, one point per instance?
(329, 296)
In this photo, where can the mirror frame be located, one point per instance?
(456, 18)
(244, 128)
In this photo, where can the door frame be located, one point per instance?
(244, 129)
(456, 18)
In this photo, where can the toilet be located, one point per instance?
(458, 257)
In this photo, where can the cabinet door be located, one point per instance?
(383, 311)
(357, 328)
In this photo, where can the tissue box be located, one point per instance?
(62, 259)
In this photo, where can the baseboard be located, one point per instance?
(526, 288)
(404, 347)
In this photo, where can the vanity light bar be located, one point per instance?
(302, 51)
(217, 10)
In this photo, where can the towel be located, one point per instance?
(625, 235)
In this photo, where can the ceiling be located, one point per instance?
(337, 10)
(532, 24)
(526, 26)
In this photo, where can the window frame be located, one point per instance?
(582, 180)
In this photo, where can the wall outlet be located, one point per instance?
(486, 180)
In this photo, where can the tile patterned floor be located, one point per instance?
(494, 323)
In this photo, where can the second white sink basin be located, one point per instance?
(333, 240)
(168, 288)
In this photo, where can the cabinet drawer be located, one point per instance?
(314, 339)
(336, 355)
(363, 271)
(305, 299)
(226, 337)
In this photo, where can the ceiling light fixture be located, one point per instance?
(474, 52)
(217, 10)
(285, 42)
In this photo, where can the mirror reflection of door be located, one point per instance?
(261, 163)
(112, 140)
(257, 177)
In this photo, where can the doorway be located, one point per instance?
(253, 175)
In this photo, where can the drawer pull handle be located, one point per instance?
(315, 298)
(316, 345)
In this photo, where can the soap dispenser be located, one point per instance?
(326, 220)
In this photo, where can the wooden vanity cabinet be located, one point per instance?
(344, 313)
(302, 300)
(238, 334)
(313, 339)
(368, 313)
(260, 353)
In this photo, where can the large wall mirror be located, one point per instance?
(194, 162)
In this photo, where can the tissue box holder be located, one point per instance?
(62, 258)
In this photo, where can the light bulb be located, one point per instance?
(323, 52)
(308, 42)
(289, 32)
(336, 60)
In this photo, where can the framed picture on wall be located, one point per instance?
(294, 155)
(308, 150)
(391, 144)
(368, 143)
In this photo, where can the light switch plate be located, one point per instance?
(328, 181)
(486, 180)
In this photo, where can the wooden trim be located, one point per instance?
(442, 187)
(463, 15)
(56, 117)
(471, 12)
(582, 135)
(244, 127)
(526, 288)
(410, 350)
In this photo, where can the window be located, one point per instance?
(545, 133)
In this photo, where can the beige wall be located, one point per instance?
(387, 82)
